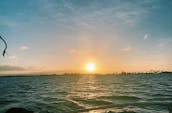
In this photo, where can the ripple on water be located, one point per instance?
(121, 98)
(92, 102)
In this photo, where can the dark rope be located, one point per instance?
(4, 51)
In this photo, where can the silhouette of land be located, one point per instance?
(83, 74)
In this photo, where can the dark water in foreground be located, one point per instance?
(88, 94)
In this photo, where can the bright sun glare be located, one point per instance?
(90, 67)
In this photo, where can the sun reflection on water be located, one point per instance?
(85, 91)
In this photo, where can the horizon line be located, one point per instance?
(55, 74)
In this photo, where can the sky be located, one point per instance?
(57, 36)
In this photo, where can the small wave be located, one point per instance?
(163, 99)
(94, 102)
(3, 102)
(123, 98)
(121, 106)
(155, 95)
(121, 112)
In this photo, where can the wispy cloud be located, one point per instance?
(146, 36)
(74, 52)
(12, 58)
(94, 12)
(164, 42)
(24, 48)
(127, 49)
(11, 68)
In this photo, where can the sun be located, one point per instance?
(90, 67)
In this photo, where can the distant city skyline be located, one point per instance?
(61, 36)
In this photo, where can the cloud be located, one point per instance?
(146, 36)
(164, 42)
(24, 48)
(12, 57)
(11, 68)
(91, 13)
(127, 49)
(74, 52)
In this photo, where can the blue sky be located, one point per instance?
(63, 35)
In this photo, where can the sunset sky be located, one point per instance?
(59, 36)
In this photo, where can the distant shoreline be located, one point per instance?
(81, 74)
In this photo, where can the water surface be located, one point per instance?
(93, 94)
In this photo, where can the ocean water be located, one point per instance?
(87, 94)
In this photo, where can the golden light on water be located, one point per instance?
(91, 67)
